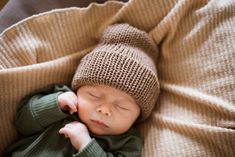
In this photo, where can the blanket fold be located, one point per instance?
(195, 112)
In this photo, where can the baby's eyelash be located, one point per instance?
(93, 95)
(123, 108)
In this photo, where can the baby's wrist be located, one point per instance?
(84, 143)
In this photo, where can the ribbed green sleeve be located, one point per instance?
(93, 149)
(39, 112)
(46, 110)
(128, 144)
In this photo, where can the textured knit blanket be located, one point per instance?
(195, 112)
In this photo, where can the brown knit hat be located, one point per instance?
(123, 59)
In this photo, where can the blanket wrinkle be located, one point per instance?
(195, 113)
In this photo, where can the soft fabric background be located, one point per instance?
(195, 113)
(2, 3)
(16, 10)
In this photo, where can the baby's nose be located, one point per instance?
(104, 110)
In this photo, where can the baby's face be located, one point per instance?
(106, 110)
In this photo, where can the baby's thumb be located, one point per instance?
(64, 131)
(73, 109)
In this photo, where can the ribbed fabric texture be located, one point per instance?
(89, 151)
(195, 112)
(42, 112)
(124, 60)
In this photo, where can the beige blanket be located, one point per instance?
(195, 113)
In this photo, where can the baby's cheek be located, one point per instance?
(81, 104)
(82, 107)
(83, 113)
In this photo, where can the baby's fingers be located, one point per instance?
(73, 103)
(73, 108)
(67, 131)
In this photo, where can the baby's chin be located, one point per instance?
(104, 132)
(99, 131)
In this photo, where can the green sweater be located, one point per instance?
(38, 122)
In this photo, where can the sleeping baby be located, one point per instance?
(114, 87)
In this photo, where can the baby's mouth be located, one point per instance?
(100, 123)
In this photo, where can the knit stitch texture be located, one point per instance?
(195, 112)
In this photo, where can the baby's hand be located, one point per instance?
(68, 101)
(77, 133)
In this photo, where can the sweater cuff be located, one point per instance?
(92, 149)
(47, 110)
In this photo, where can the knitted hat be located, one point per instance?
(123, 59)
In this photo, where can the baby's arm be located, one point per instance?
(40, 110)
(82, 142)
